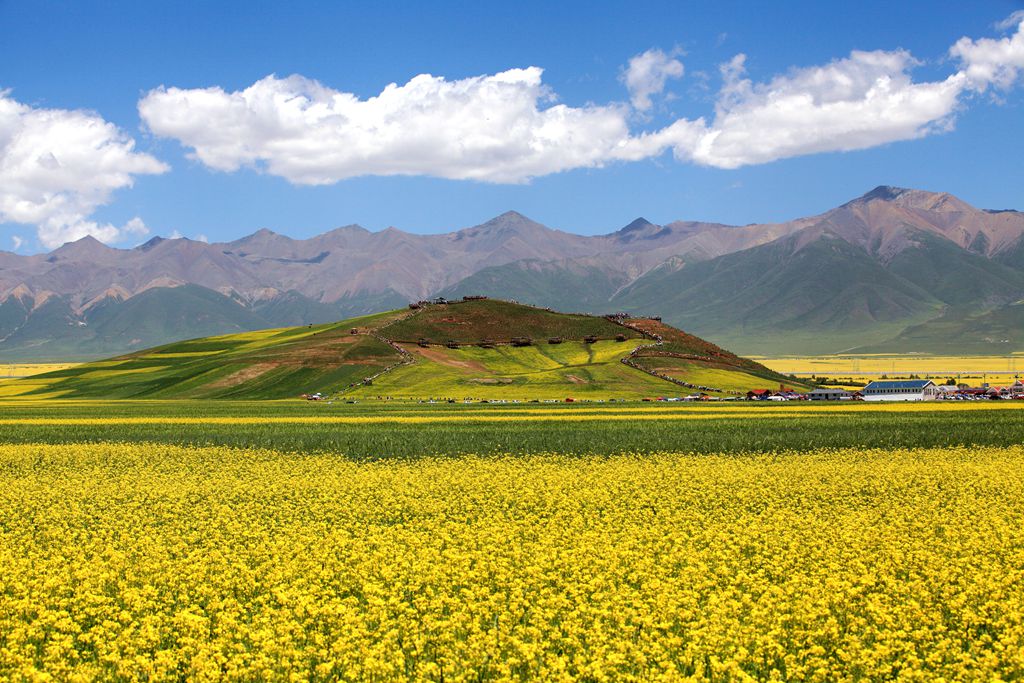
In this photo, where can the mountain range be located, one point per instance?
(895, 270)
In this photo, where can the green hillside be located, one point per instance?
(785, 297)
(697, 361)
(456, 350)
(267, 364)
(55, 331)
(956, 276)
(544, 371)
(961, 332)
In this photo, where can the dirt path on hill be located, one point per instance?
(243, 375)
(443, 358)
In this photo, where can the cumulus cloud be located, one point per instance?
(58, 166)
(508, 127)
(18, 241)
(53, 233)
(646, 75)
(489, 128)
(177, 235)
(993, 61)
(864, 100)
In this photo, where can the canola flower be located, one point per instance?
(378, 419)
(156, 562)
(581, 413)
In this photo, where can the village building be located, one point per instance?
(829, 394)
(998, 392)
(901, 390)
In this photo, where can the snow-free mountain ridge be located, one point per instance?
(858, 274)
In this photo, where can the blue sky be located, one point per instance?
(200, 166)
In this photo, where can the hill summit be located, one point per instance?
(474, 348)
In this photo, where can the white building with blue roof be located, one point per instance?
(900, 390)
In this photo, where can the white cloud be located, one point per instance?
(646, 75)
(508, 128)
(993, 61)
(18, 241)
(135, 227)
(487, 128)
(58, 231)
(1011, 22)
(57, 166)
(177, 235)
(865, 100)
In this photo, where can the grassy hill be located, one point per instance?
(277, 363)
(570, 369)
(697, 361)
(471, 322)
(569, 355)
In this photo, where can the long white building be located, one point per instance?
(900, 390)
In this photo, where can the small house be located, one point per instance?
(901, 390)
(829, 394)
(791, 395)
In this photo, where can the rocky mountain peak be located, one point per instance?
(149, 244)
(508, 223)
(640, 229)
(885, 193)
(638, 224)
(85, 247)
(921, 200)
(512, 219)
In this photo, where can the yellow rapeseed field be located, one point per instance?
(968, 369)
(428, 415)
(8, 370)
(143, 561)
